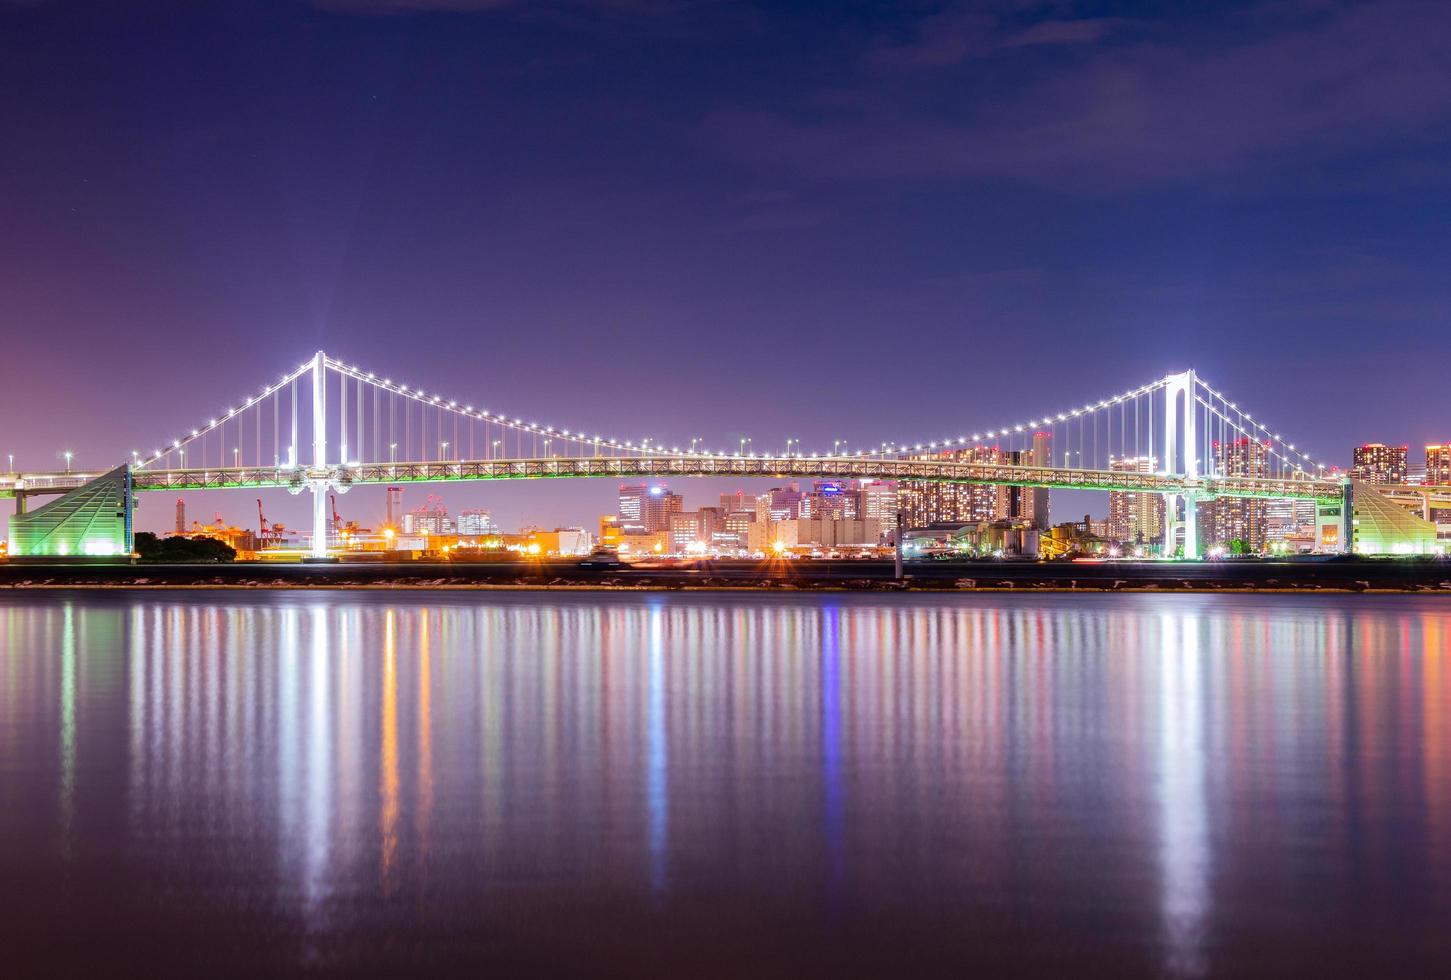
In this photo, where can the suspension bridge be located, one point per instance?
(328, 425)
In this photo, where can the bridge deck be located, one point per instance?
(656, 467)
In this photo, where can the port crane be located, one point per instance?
(266, 532)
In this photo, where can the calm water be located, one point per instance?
(722, 786)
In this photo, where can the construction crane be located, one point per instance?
(266, 532)
(342, 529)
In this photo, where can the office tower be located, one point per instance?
(1377, 463)
(647, 509)
(1438, 464)
(475, 521)
(830, 500)
(395, 508)
(180, 516)
(1135, 518)
(879, 503)
(785, 503)
(738, 502)
(631, 506)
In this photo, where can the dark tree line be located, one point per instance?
(152, 548)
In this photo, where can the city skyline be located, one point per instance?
(569, 510)
(541, 228)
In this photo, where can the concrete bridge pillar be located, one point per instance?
(319, 482)
(319, 520)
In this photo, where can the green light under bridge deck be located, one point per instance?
(92, 521)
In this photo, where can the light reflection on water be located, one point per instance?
(1179, 785)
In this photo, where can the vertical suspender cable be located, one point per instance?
(292, 449)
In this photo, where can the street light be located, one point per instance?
(442, 451)
(391, 447)
(67, 454)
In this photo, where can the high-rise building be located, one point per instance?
(740, 531)
(632, 505)
(879, 503)
(1438, 464)
(647, 509)
(1033, 501)
(1244, 519)
(180, 516)
(395, 508)
(430, 518)
(696, 528)
(923, 503)
(830, 500)
(1027, 506)
(476, 521)
(1377, 463)
(785, 504)
(1135, 518)
(738, 502)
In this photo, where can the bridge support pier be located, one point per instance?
(1172, 524)
(1191, 526)
(319, 519)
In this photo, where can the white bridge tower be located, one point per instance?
(1181, 439)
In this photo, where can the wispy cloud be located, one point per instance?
(396, 7)
(1127, 114)
(1062, 32)
(945, 38)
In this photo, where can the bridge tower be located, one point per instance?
(1181, 439)
(317, 480)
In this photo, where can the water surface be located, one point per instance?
(725, 785)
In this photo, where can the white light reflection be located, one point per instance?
(388, 761)
(67, 728)
(657, 753)
(289, 778)
(318, 789)
(1183, 821)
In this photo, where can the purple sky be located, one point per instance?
(684, 219)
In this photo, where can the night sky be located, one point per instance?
(678, 219)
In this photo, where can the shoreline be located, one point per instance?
(1338, 576)
(721, 589)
